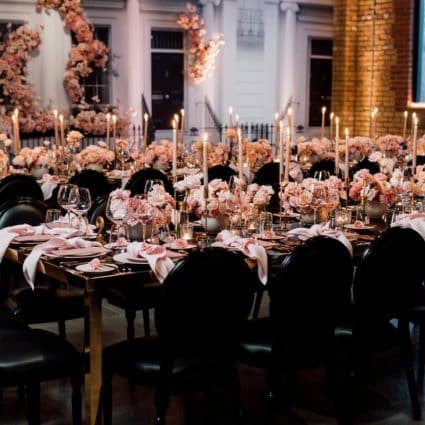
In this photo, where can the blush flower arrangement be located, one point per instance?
(258, 153)
(374, 187)
(94, 154)
(38, 157)
(314, 149)
(4, 162)
(216, 153)
(202, 53)
(158, 154)
(312, 194)
(390, 144)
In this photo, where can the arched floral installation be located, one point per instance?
(85, 55)
(202, 53)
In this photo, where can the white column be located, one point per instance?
(288, 52)
(55, 47)
(134, 60)
(227, 57)
(271, 43)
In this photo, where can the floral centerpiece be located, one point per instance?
(390, 144)
(37, 160)
(157, 155)
(313, 150)
(374, 187)
(358, 148)
(386, 165)
(4, 163)
(258, 153)
(94, 157)
(413, 185)
(255, 198)
(312, 195)
(216, 154)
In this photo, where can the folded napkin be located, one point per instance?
(321, 230)
(9, 233)
(250, 249)
(61, 247)
(48, 185)
(414, 221)
(155, 255)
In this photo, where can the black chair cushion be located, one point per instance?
(256, 343)
(22, 210)
(35, 355)
(94, 181)
(45, 304)
(137, 182)
(18, 185)
(139, 360)
(222, 172)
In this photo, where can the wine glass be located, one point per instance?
(321, 175)
(68, 197)
(150, 184)
(83, 205)
(122, 156)
(52, 216)
(116, 208)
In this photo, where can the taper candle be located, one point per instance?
(336, 146)
(331, 123)
(240, 153)
(182, 125)
(287, 154)
(276, 131)
(145, 131)
(55, 114)
(230, 117)
(413, 125)
(114, 126)
(346, 169)
(415, 145)
(406, 115)
(174, 149)
(205, 163)
(62, 131)
(322, 132)
(17, 131)
(280, 151)
(108, 129)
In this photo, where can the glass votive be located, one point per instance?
(342, 217)
(186, 231)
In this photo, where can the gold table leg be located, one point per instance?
(93, 351)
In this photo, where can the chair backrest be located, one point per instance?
(373, 167)
(136, 184)
(204, 301)
(98, 210)
(93, 180)
(390, 275)
(322, 165)
(268, 174)
(22, 211)
(222, 172)
(312, 291)
(19, 185)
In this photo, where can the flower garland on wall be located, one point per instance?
(202, 53)
(85, 55)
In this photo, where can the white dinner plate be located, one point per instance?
(172, 245)
(103, 268)
(269, 238)
(124, 259)
(76, 257)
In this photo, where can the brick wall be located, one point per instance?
(373, 63)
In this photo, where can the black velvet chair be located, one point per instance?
(93, 180)
(48, 302)
(29, 356)
(389, 285)
(222, 172)
(268, 174)
(137, 182)
(309, 307)
(322, 165)
(373, 167)
(98, 209)
(19, 185)
(204, 301)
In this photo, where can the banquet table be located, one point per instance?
(64, 272)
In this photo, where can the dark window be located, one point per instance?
(97, 84)
(167, 40)
(320, 80)
(167, 76)
(6, 28)
(420, 52)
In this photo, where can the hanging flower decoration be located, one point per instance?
(86, 54)
(202, 53)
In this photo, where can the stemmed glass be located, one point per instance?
(83, 205)
(68, 198)
(122, 157)
(150, 184)
(321, 175)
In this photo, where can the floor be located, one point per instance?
(383, 402)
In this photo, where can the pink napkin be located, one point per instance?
(414, 221)
(9, 233)
(250, 249)
(155, 255)
(58, 246)
(48, 185)
(321, 230)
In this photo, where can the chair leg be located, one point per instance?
(107, 399)
(76, 400)
(146, 322)
(421, 359)
(257, 303)
(161, 405)
(62, 328)
(130, 316)
(407, 358)
(236, 396)
(189, 404)
(33, 403)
